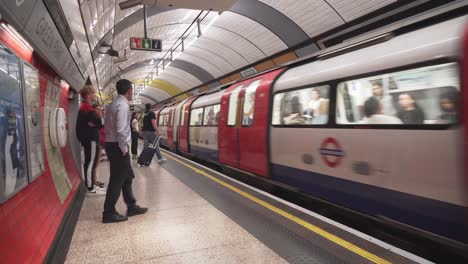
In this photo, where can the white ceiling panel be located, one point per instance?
(218, 5)
(156, 93)
(181, 79)
(201, 62)
(218, 61)
(121, 14)
(229, 52)
(242, 46)
(263, 38)
(351, 9)
(313, 16)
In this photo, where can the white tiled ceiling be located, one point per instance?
(313, 16)
(351, 9)
(228, 42)
(253, 31)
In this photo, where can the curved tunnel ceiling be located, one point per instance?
(250, 31)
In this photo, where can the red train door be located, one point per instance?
(464, 105)
(183, 127)
(228, 126)
(243, 125)
(170, 129)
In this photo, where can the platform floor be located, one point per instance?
(199, 216)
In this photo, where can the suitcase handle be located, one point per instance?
(156, 142)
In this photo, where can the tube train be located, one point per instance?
(377, 128)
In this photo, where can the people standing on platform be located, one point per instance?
(118, 134)
(100, 146)
(87, 131)
(135, 134)
(150, 132)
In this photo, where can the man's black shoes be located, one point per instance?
(114, 218)
(136, 210)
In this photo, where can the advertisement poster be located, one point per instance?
(33, 108)
(13, 174)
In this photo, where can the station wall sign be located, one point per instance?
(145, 44)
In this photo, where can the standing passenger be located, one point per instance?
(150, 131)
(87, 131)
(386, 100)
(135, 134)
(121, 173)
(98, 110)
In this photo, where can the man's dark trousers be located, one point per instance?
(121, 178)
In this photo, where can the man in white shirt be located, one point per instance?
(117, 130)
(374, 116)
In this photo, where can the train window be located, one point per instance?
(161, 120)
(172, 117)
(249, 103)
(211, 115)
(166, 119)
(302, 107)
(34, 118)
(426, 95)
(14, 169)
(233, 100)
(196, 118)
(182, 115)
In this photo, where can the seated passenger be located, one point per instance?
(410, 112)
(314, 104)
(321, 115)
(373, 112)
(449, 107)
(294, 117)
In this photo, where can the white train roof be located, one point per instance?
(210, 99)
(438, 41)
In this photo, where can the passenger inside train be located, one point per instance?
(422, 96)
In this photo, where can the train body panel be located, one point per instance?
(203, 132)
(367, 129)
(176, 124)
(398, 178)
(184, 126)
(253, 142)
(163, 122)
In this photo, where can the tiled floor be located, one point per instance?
(180, 227)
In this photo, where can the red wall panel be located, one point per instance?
(30, 219)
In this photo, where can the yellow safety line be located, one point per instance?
(351, 247)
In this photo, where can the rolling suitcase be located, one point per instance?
(147, 154)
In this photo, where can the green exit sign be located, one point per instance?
(145, 44)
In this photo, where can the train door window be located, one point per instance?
(211, 115)
(173, 117)
(182, 114)
(14, 169)
(249, 103)
(196, 118)
(307, 106)
(421, 96)
(233, 101)
(161, 120)
(166, 119)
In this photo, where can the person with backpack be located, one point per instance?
(150, 132)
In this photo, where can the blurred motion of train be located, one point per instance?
(377, 128)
